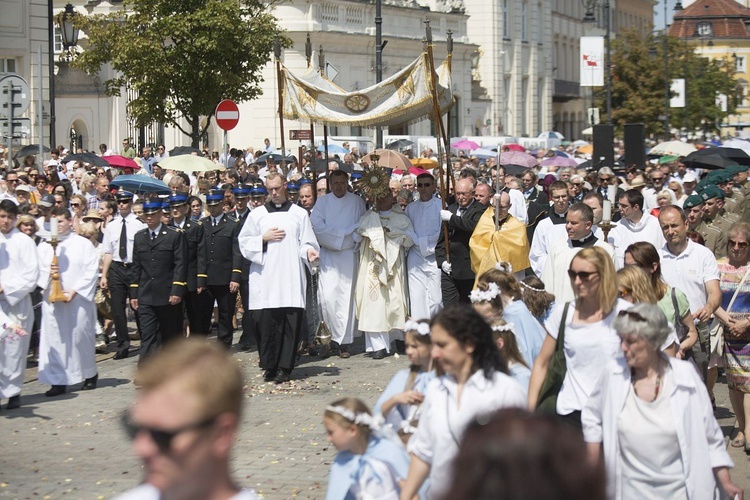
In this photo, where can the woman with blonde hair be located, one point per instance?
(587, 338)
(679, 194)
(78, 208)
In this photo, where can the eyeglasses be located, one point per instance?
(657, 178)
(162, 439)
(741, 244)
(101, 174)
(583, 275)
(633, 315)
(75, 205)
(424, 184)
(14, 181)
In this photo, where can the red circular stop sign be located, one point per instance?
(227, 114)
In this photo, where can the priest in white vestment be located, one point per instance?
(334, 221)
(382, 296)
(67, 353)
(579, 227)
(425, 294)
(19, 271)
(278, 240)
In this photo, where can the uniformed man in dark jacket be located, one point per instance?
(224, 262)
(198, 302)
(159, 273)
(241, 211)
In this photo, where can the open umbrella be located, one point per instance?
(707, 158)
(484, 153)
(513, 147)
(424, 162)
(185, 150)
(465, 144)
(275, 156)
(587, 149)
(516, 170)
(399, 144)
(738, 144)
(189, 163)
(140, 184)
(517, 158)
(122, 162)
(559, 161)
(389, 159)
(579, 143)
(672, 148)
(333, 148)
(89, 158)
(551, 135)
(31, 149)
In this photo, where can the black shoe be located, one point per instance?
(122, 353)
(90, 383)
(283, 376)
(312, 350)
(56, 390)
(400, 346)
(14, 402)
(269, 375)
(379, 354)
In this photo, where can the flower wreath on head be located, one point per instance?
(417, 326)
(374, 422)
(507, 327)
(504, 266)
(529, 287)
(478, 295)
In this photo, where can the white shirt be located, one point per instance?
(518, 207)
(690, 271)
(625, 233)
(588, 348)
(112, 234)
(560, 256)
(444, 421)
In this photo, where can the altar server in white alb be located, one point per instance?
(279, 241)
(67, 342)
(425, 295)
(334, 221)
(19, 271)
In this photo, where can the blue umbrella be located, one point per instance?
(333, 148)
(140, 184)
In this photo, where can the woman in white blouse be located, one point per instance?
(653, 416)
(474, 385)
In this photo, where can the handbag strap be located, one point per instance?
(675, 306)
(737, 291)
(560, 344)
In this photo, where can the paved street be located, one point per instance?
(73, 446)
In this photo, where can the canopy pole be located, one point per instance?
(322, 68)
(277, 54)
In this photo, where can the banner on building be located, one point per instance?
(678, 93)
(403, 98)
(722, 102)
(592, 61)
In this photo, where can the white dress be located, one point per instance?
(67, 343)
(19, 271)
(425, 294)
(334, 220)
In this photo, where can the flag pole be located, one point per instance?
(277, 54)
(322, 68)
(308, 56)
(444, 179)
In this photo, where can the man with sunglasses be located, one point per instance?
(183, 428)
(117, 267)
(11, 183)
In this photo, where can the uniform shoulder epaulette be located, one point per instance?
(197, 222)
(176, 229)
(232, 218)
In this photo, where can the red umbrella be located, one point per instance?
(465, 144)
(513, 147)
(121, 161)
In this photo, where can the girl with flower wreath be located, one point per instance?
(401, 400)
(370, 460)
(505, 338)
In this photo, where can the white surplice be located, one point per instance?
(67, 353)
(382, 301)
(425, 294)
(277, 276)
(334, 220)
(19, 271)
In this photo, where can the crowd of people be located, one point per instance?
(606, 302)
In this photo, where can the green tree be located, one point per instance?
(181, 57)
(638, 81)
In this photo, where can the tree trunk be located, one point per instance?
(195, 132)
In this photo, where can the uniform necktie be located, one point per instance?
(460, 211)
(216, 221)
(153, 235)
(124, 242)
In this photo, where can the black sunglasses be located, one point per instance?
(162, 439)
(584, 275)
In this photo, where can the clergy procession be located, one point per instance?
(597, 305)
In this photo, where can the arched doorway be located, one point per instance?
(78, 135)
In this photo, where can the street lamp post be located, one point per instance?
(69, 31)
(667, 83)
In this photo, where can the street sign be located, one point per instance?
(227, 114)
(300, 135)
(14, 91)
(21, 128)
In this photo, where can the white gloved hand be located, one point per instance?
(446, 267)
(445, 215)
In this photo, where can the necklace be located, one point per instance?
(657, 382)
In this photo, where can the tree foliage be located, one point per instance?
(638, 84)
(181, 57)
